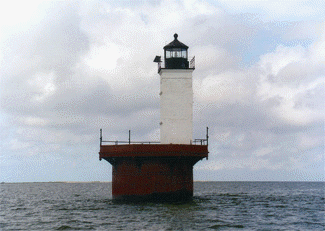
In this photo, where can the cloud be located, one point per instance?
(73, 67)
(268, 116)
(272, 10)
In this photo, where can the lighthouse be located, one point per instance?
(176, 95)
(161, 170)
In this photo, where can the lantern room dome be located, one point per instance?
(175, 44)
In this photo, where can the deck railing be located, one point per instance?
(117, 142)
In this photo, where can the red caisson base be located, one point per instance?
(153, 172)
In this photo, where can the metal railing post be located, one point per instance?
(207, 135)
(101, 136)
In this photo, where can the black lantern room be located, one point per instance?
(176, 55)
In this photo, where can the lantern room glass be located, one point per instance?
(176, 53)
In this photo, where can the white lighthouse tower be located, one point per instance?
(176, 94)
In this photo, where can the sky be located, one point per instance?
(69, 68)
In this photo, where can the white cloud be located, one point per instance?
(263, 151)
(275, 61)
(226, 87)
(88, 65)
(44, 86)
(305, 30)
(291, 75)
(15, 144)
(18, 11)
(273, 10)
(103, 58)
(34, 121)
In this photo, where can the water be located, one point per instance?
(215, 206)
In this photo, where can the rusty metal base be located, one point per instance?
(153, 172)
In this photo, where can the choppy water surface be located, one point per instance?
(215, 206)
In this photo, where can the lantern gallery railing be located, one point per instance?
(161, 63)
(117, 142)
(192, 63)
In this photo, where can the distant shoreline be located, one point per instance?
(89, 182)
(56, 182)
